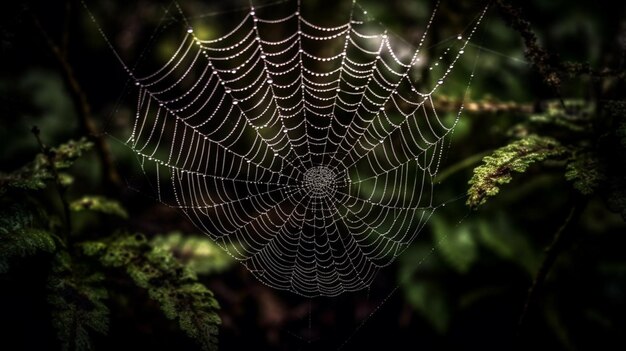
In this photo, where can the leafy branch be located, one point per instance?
(77, 299)
(516, 157)
(86, 119)
(167, 281)
(75, 283)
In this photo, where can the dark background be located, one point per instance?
(462, 289)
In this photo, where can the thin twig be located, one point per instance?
(50, 159)
(552, 252)
(482, 107)
(549, 66)
(86, 119)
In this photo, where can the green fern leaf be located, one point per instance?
(34, 175)
(516, 157)
(18, 236)
(586, 172)
(77, 300)
(171, 284)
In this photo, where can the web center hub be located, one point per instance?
(320, 181)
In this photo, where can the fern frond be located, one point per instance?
(19, 237)
(34, 175)
(77, 300)
(168, 282)
(516, 157)
(586, 172)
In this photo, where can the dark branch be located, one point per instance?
(549, 66)
(61, 189)
(86, 120)
(552, 252)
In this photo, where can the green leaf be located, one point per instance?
(198, 253)
(455, 243)
(34, 175)
(430, 301)
(516, 157)
(76, 297)
(585, 172)
(499, 236)
(99, 204)
(171, 284)
(66, 154)
(19, 237)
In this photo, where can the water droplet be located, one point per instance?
(460, 37)
(440, 81)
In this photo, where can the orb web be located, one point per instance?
(305, 151)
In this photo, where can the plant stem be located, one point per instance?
(551, 255)
(61, 190)
(86, 120)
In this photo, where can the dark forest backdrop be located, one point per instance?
(530, 252)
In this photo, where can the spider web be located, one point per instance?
(305, 151)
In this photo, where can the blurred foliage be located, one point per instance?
(458, 249)
(99, 204)
(197, 252)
